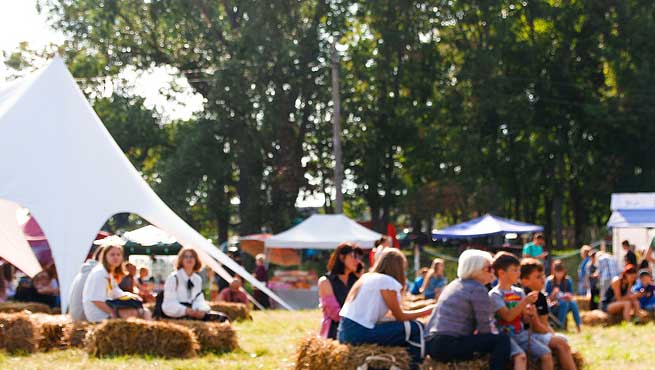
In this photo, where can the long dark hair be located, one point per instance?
(335, 265)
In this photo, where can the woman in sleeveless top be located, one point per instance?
(619, 299)
(343, 268)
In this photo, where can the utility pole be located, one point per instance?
(336, 130)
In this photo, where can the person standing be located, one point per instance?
(607, 271)
(535, 249)
(630, 257)
(583, 281)
(261, 274)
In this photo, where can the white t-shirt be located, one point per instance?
(369, 307)
(99, 286)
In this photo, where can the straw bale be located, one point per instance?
(600, 318)
(76, 332)
(51, 330)
(482, 363)
(326, 354)
(17, 333)
(24, 306)
(214, 337)
(413, 297)
(583, 302)
(139, 337)
(235, 311)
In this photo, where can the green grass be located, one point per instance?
(270, 340)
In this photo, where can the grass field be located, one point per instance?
(270, 340)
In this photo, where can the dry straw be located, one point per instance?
(583, 302)
(51, 330)
(417, 305)
(24, 306)
(600, 318)
(213, 337)
(76, 333)
(235, 311)
(482, 363)
(325, 354)
(138, 337)
(17, 333)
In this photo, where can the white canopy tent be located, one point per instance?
(53, 150)
(13, 246)
(324, 232)
(632, 219)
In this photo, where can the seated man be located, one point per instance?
(233, 293)
(645, 288)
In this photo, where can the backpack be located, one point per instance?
(158, 313)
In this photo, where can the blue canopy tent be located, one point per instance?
(486, 225)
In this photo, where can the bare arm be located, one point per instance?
(391, 299)
(510, 314)
(104, 307)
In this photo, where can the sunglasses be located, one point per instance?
(188, 256)
(488, 269)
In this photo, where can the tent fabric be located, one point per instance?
(324, 232)
(485, 225)
(53, 150)
(254, 245)
(13, 246)
(632, 218)
(149, 236)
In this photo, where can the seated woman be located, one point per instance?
(333, 288)
(460, 325)
(183, 296)
(619, 299)
(101, 297)
(364, 315)
(434, 280)
(559, 287)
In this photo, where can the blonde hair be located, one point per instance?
(392, 262)
(432, 272)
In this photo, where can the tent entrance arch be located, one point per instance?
(55, 173)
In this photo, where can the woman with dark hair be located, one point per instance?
(619, 299)
(342, 272)
(365, 316)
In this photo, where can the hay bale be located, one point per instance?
(235, 311)
(413, 297)
(139, 337)
(51, 330)
(76, 332)
(482, 363)
(595, 318)
(214, 337)
(326, 354)
(583, 302)
(12, 306)
(18, 334)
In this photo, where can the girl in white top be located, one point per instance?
(100, 286)
(183, 295)
(372, 304)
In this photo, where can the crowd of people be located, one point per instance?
(502, 305)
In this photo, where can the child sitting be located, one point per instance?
(434, 280)
(560, 289)
(509, 304)
(532, 279)
(645, 288)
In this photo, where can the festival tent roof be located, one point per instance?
(13, 246)
(324, 232)
(632, 210)
(53, 150)
(484, 226)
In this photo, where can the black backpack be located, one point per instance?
(158, 313)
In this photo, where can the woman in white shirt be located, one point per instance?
(365, 315)
(183, 297)
(101, 288)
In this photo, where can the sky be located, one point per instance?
(19, 21)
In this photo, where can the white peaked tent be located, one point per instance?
(324, 232)
(13, 246)
(58, 160)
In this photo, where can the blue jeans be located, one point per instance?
(390, 333)
(563, 309)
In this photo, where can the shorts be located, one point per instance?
(546, 337)
(533, 345)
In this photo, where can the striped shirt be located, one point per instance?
(463, 308)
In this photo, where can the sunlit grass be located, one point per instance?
(270, 340)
